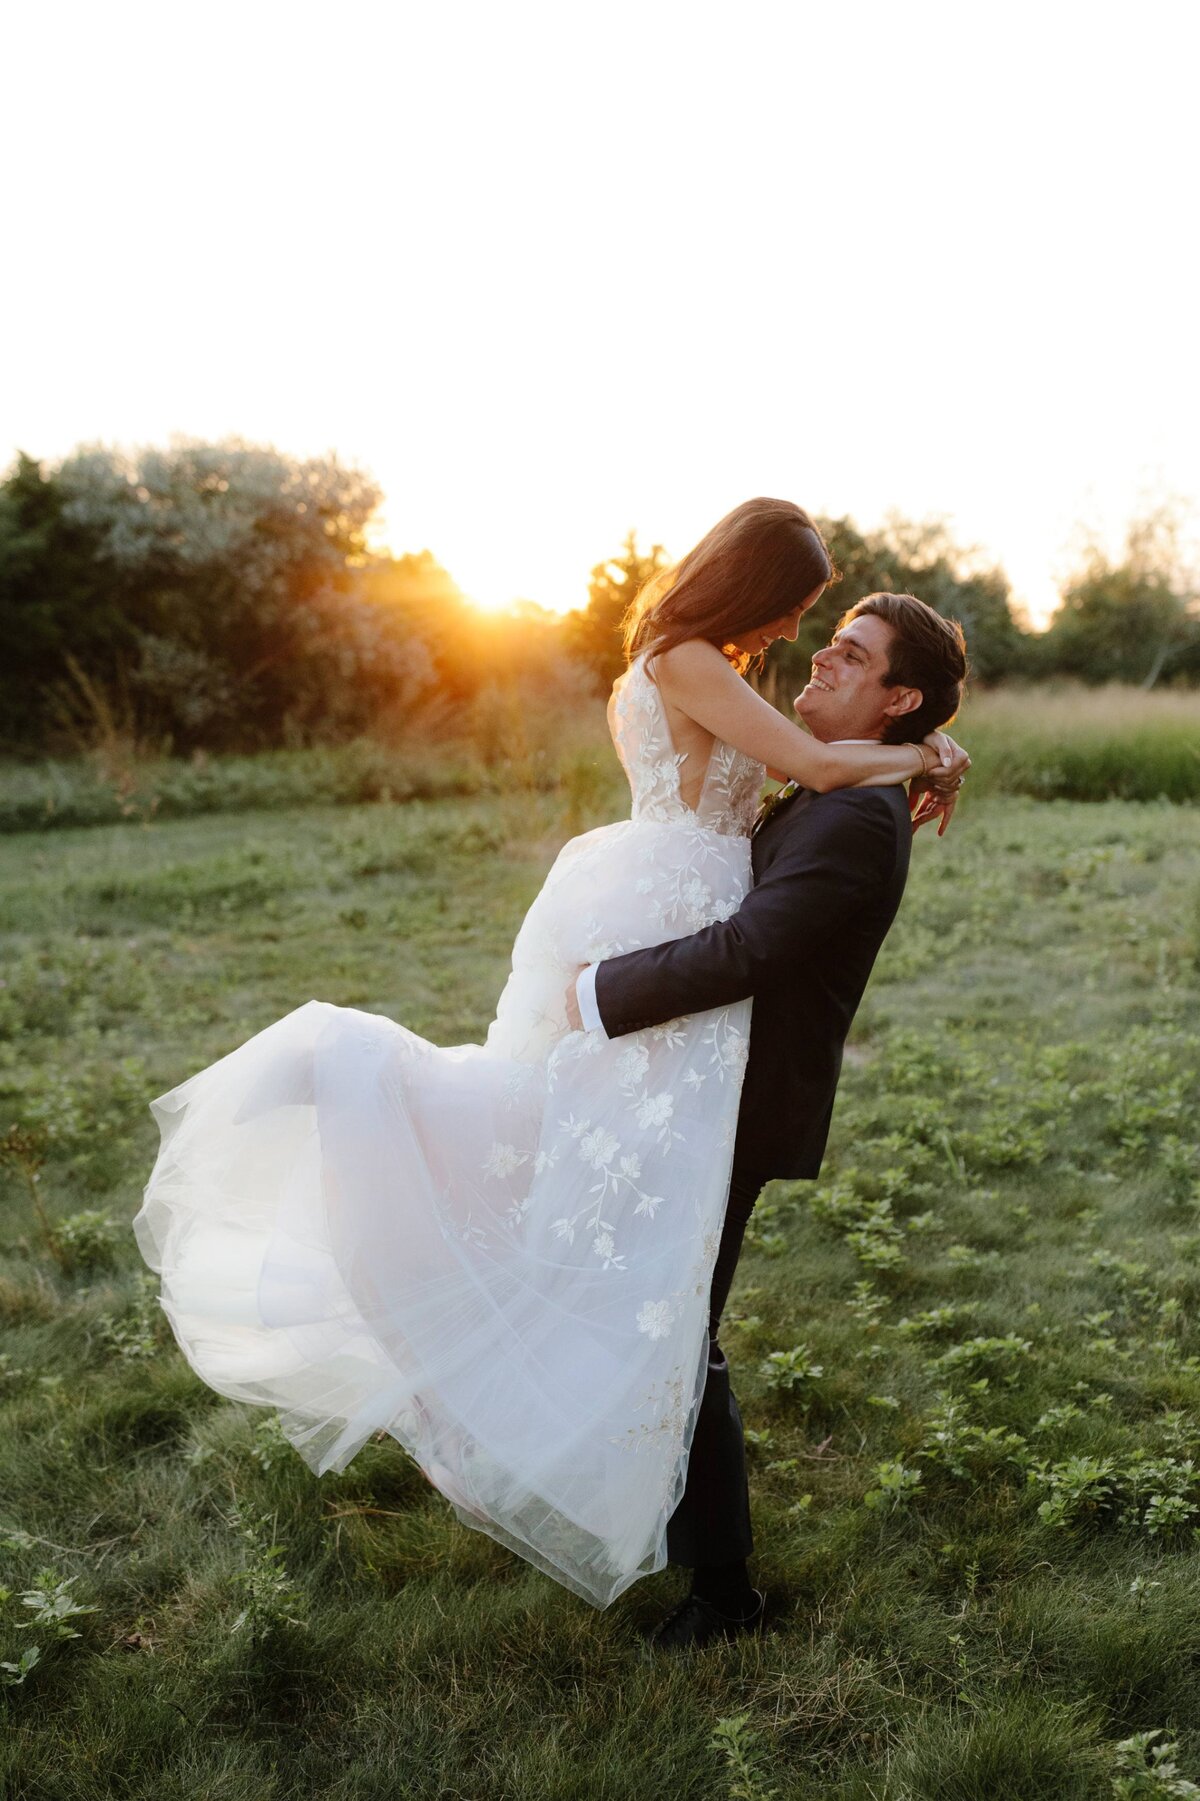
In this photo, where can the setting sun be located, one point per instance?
(491, 601)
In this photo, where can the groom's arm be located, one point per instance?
(832, 867)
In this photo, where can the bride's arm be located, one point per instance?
(697, 679)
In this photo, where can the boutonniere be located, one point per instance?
(774, 801)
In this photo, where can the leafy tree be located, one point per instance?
(49, 599)
(595, 633)
(918, 559)
(1129, 620)
(962, 586)
(910, 558)
(214, 586)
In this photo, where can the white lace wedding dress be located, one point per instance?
(498, 1253)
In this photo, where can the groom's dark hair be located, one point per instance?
(926, 652)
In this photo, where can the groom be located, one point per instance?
(829, 871)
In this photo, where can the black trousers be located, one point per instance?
(712, 1521)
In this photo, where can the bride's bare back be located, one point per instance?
(692, 742)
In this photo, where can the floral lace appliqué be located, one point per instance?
(732, 782)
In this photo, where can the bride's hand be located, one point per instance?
(952, 760)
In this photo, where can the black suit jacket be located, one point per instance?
(829, 871)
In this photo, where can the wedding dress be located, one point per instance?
(501, 1253)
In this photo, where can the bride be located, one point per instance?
(500, 1254)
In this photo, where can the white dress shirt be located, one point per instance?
(585, 994)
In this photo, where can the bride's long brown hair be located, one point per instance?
(755, 565)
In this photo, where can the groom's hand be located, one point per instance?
(572, 1000)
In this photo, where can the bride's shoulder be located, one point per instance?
(693, 661)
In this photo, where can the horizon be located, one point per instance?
(961, 556)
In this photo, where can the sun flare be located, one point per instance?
(490, 600)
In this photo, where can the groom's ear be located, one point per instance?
(903, 700)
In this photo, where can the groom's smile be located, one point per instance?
(846, 696)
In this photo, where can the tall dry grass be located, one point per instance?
(1056, 742)
(516, 734)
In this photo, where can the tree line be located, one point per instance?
(223, 596)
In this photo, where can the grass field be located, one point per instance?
(969, 1357)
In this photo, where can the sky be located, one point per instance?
(550, 272)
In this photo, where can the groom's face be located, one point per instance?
(847, 696)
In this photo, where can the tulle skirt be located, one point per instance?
(500, 1254)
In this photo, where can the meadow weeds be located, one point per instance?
(54, 1610)
(1146, 1771)
(968, 1357)
(739, 1744)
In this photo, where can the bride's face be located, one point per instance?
(787, 626)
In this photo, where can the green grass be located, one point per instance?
(998, 1275)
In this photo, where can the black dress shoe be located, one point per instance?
(696, 1622)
